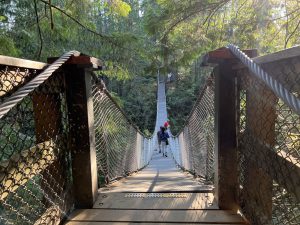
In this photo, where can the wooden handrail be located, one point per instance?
(23, 63)
(278, 56)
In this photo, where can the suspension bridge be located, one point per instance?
(70, 155)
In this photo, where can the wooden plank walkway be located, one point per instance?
(166, 216)
(159, 194)
(161, 175)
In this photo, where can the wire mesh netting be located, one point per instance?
(34, 160)
(193, 148)
(12, 78)
(269, 148)
(121, 148)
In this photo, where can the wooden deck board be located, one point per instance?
(167, 216)
(161, 175)
(118, 203)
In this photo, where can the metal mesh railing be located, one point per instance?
(35, 181)
(269, 147)
(121, 148)
(193, 148)
(12, 78)
(35, 159)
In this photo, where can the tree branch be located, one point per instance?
(213, 8)
(51, 15)
(104, 37)
(74, 19)
(39, 29)
(291, 34)
(210, 15)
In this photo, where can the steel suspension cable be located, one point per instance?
(16, 97)
(291, 100)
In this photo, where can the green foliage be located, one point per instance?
(139, 100)
(183, 92)
(115, 71)
(8, 47)
(117, 99)
(119, 7)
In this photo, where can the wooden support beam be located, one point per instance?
(225, 139)
(226, 101)
(82, 136)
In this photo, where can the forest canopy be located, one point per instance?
(138, 38)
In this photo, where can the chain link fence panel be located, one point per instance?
(121, 147)
(268, 147)
(35, 175)
(193, 147)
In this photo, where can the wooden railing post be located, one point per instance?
(225, 140)
(226, 154)
(81, 136)
(260, 123)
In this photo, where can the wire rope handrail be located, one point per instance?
(290, 99)
(16, 97)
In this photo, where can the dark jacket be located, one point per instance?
(164, 136)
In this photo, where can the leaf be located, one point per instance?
(3, 18)
(120, 7)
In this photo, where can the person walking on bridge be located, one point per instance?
(159, 140)
(164, 141)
